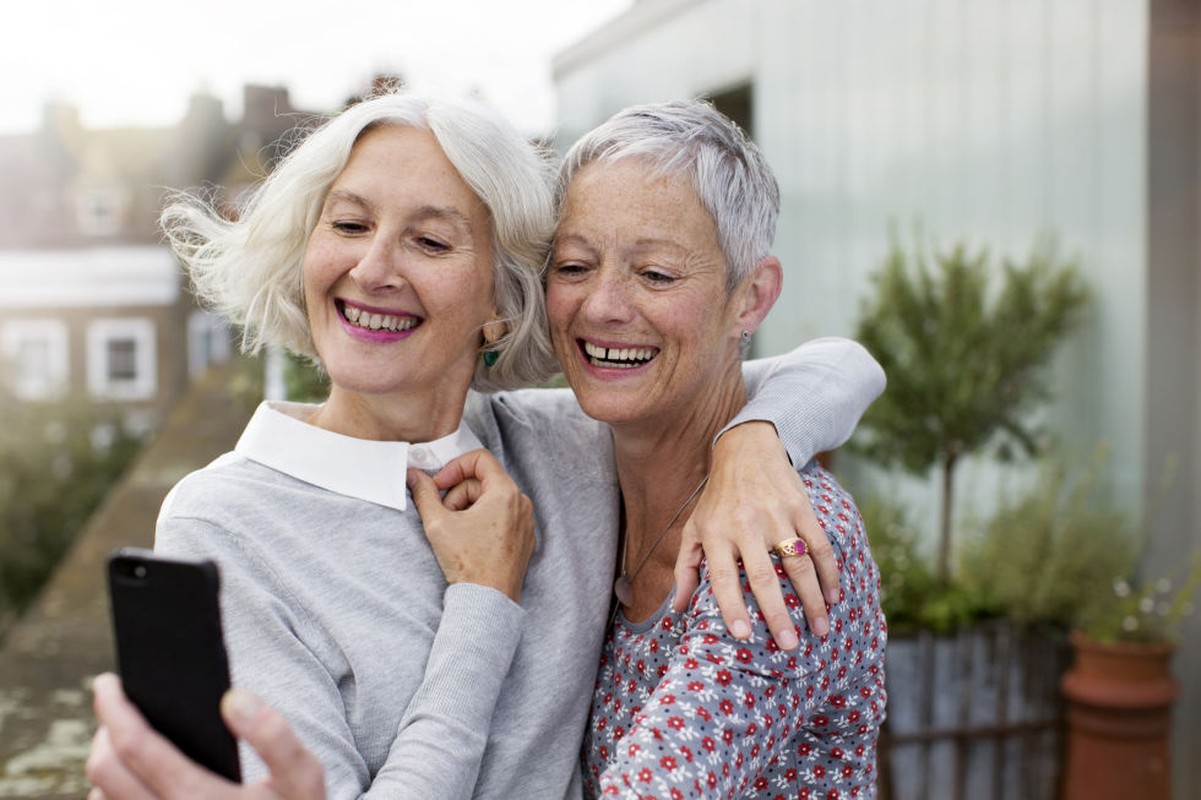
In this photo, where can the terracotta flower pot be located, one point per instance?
(1119, 703)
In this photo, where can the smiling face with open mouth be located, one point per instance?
(398, 278)
(636, 294)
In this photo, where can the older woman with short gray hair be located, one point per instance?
(663, 251)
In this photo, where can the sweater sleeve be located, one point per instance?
(814, 395)
(441, 740)
(280, 654)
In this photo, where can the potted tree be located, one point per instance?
(964, 342)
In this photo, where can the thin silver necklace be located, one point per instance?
(623, 587)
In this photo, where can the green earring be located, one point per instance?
(490, 357)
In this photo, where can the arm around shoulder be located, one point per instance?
(814, 395)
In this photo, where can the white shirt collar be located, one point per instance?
(277, 437)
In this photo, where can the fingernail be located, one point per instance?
(741, 629)
(832, 596)
(242, 705)
(821, 626)
(788, 639)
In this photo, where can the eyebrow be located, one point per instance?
(452, 215)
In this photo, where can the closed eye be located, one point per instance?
(569, 268)
(658, 277)
(432, 245)
(349, 227)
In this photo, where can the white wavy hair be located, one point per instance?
(249, 268)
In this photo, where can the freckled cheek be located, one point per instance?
(561, 305)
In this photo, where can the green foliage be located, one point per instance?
(57, 462)
(965, 364)
(1135, 607)
(304, 380)
(1044, 558)
(910, 593)
(1151, 611)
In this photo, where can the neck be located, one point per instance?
(389, 418)
(661, 461)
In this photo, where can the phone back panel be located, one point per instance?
(171, 652)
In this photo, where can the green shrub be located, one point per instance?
(910, 593)
(1045, 557)
(57, 462)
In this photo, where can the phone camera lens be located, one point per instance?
(139, 571)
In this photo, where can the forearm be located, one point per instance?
(813, 395)
(441, 739)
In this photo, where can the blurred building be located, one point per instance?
(91, 301)
(987, 122)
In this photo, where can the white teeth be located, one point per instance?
(375, 322)
(622, 358)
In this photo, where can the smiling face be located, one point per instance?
(640, 316)
(398, 281)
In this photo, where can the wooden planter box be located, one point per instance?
(975, 714)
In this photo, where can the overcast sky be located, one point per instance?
(136, 62)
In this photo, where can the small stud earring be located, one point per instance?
(490, 357)
(746, 335)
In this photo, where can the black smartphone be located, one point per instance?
(171, 651)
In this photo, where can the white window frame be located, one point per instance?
(144, 383)
(49, 382)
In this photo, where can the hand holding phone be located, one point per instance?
(171, 652)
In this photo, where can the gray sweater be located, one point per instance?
(338, 614)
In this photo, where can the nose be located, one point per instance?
(607, 298)
(379, 267)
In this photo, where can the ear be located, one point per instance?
(757, 293)
(494, 329)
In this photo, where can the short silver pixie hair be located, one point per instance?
(692, 138)
(249, 268)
